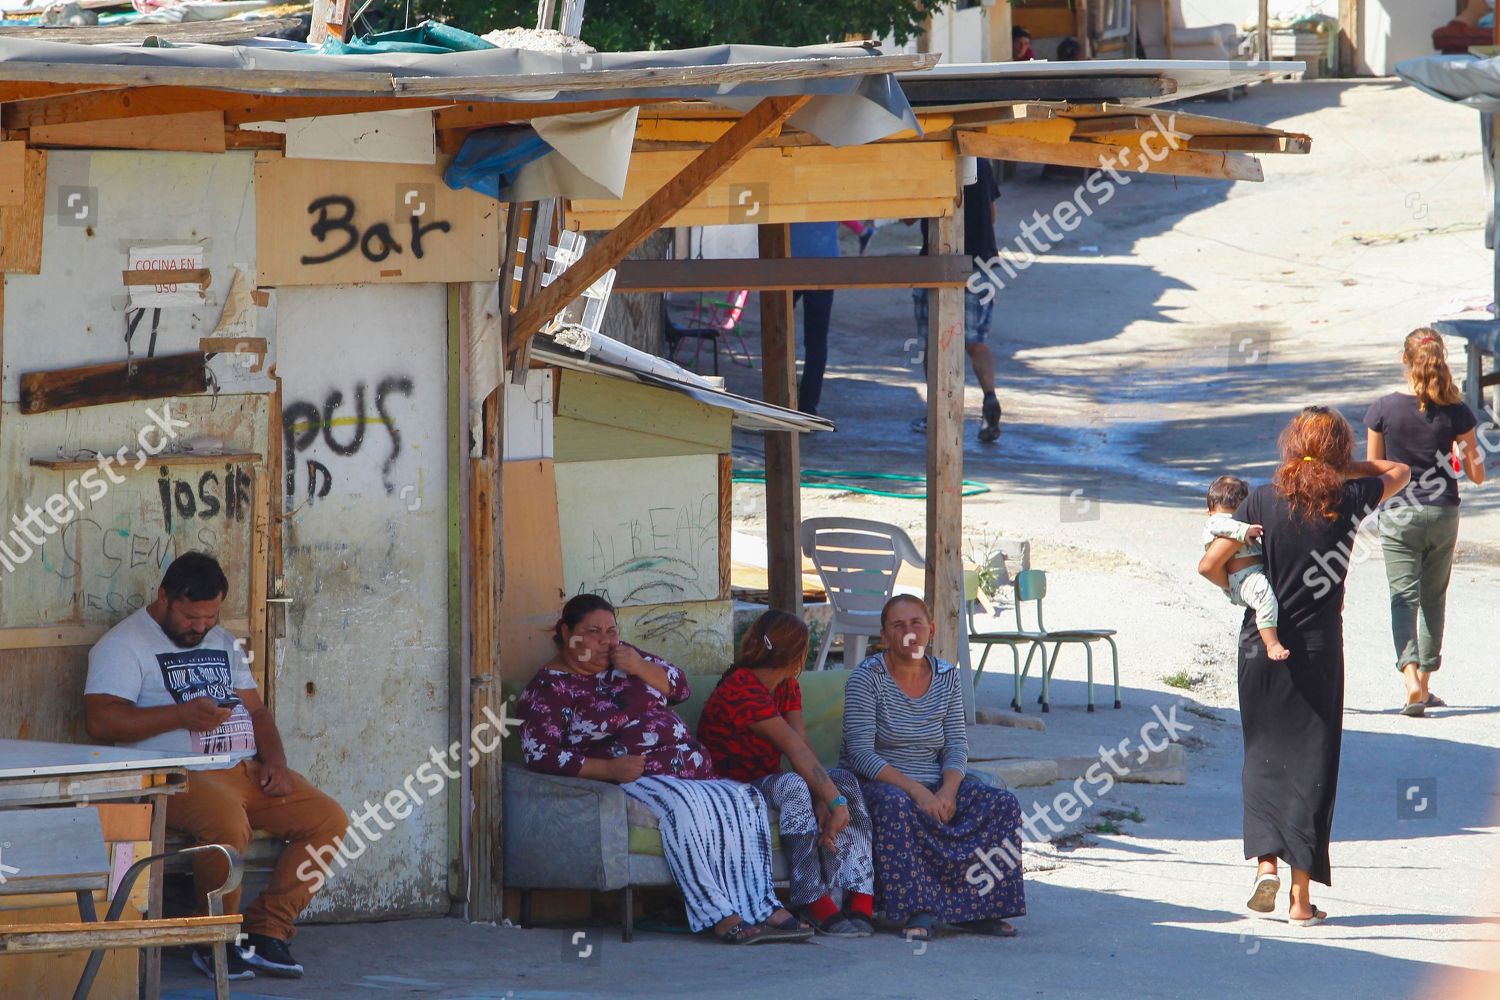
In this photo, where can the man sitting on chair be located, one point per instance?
(170, 678)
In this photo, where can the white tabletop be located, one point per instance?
(35, 758)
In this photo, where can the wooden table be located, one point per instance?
(35, 773)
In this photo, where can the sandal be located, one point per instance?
(788, 929)
(991, 926)
(1414, 709)
(919, 927)
(1263, 896)
(1433, 701)
(743, 932)
(866, 925)
(1317, 918)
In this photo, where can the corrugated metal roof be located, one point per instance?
(611, 358)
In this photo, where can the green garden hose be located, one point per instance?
(827, 479)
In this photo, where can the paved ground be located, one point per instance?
(1164, 342)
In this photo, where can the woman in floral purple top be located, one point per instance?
(599, 710)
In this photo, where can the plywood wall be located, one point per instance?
(362, 672)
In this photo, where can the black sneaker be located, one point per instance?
(989, 430)
(271, 956)
(203, 961)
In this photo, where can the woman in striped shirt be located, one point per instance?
(947, 847)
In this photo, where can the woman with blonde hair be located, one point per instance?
(1429, 428)
(1292, 709)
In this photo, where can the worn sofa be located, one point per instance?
(574, 833)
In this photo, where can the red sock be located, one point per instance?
(860, 902)
(822, 908)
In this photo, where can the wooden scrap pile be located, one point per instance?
(118, 22)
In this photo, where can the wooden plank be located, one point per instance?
(68, 636)
(330, 20)
(12, 173)
(197, 32)
(760, 274)
(783, 448)
(165, 458)
(875, 178)
(116, 382)
(777, 212)
(725, 75)
(56, 974)
(486, 886)
(765, 118)
(21, 225)
(261, 490)
(1125, 158)
(167, 276)
(192, 132)
(482, 114)
(321, 222)
(98, 104)
(726, 521)
(531, 539)
(125, 821)
(41, 938)
(945, 446)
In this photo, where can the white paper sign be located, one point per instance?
(168, 258)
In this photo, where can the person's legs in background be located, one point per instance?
(1401, 543)
(817, 310)
(977, 313)
(1432, 592)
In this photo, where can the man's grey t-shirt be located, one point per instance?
(138, 662)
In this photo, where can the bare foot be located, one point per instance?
(1277, 651)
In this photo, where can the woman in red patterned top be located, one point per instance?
(752, 718)
(600, 709)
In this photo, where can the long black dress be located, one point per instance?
(1292, 710)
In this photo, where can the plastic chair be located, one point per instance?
(857, 562)
(1031, 585)
(712, 320)
(1010, 639)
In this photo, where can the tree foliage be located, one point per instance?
(633, 25)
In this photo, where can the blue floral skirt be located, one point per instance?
(966, 869)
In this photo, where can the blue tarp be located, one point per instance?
(490, 159)
(428, 37)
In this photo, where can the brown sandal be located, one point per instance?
(743, 932)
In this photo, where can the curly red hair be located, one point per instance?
(1316, 449)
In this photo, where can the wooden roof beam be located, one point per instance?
(1128, 157)
(792, 273)
(760, 121)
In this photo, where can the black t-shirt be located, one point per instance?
(1307, 562)
(1424, 441)
(979, 224)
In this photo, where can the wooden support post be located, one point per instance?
(486, 586)
(783, 450)
(1081, 17)
(1263, 30)
(1166, 20)
(1348, 36)
(945, 444)
(458, 606)
(330, 19)
(653, 213)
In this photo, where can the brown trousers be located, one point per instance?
(224, 807)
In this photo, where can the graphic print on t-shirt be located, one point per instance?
(204, 673)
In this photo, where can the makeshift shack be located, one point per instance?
(259, 248)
